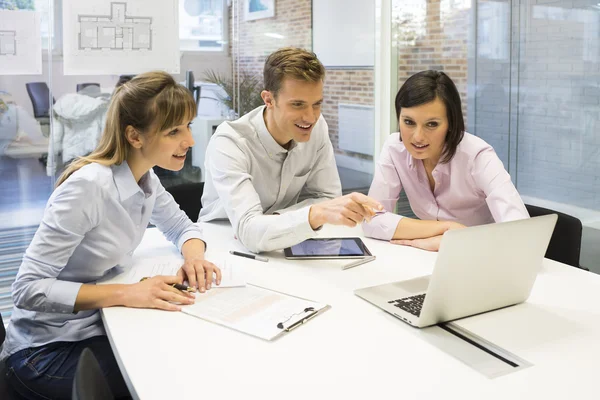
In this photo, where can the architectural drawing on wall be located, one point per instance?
(8, 43)
(117, 31)
(115, 37)
(20, 42)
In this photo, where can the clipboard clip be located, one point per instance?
(296, 324)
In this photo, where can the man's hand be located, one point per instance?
(347, 210)
(429, 244)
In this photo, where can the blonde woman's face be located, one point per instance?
(169, 148)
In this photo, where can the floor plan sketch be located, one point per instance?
(115, 37)
(117, 31)
(8, 43)
(20, 42)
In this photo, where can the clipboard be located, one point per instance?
(255, 310)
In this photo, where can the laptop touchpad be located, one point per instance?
(414, 286)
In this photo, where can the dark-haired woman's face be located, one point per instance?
(423, 130)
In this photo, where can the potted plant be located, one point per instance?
(242, 101)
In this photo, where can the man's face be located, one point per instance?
(295, 110)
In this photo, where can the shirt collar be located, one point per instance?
(265, 137)
(126, 184)
(443, 168)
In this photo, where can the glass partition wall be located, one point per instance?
(26, 45)
(529, 76)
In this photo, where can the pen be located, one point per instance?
(177, 286)
(359, 262)
(183, 288)
(251, 256)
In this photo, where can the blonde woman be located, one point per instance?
(94, 220)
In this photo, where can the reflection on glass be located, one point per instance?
(201, 26)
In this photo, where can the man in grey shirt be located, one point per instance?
(258, 166)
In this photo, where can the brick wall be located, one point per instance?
(432, 35)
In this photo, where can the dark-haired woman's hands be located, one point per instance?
(429, 244)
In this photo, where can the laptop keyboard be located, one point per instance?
(412, 304)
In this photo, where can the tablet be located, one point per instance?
(327, 248)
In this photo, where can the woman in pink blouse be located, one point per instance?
(452, 179)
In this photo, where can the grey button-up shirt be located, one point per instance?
(250, 177)
(92, 223)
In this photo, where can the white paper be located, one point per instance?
(20, 43)
(231, 273)
(251, 309)
(102, 37)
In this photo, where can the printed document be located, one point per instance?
(254, 310)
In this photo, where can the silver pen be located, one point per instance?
(251, 256)
(359, 262)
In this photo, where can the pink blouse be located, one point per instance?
(472, 189)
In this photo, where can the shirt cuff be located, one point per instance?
(299, 220)
(61, 296)
(382, 226)
(194, 233)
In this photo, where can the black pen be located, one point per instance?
(251, 256)
(183, 288)
(177, 286)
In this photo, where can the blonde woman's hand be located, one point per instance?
(199, 273)
(157, 292)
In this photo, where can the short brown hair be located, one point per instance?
(294, 63)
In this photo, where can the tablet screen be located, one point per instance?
(334, 247)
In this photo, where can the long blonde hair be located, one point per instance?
(150, 102)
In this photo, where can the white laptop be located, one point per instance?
(478, 269)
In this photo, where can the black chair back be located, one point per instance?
(89, 382)
(81, 86)
(188, 196)
(40, 98)
(565, 243)
(2, 331)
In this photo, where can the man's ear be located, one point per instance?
(133, 137)
(268, 98)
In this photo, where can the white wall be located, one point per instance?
(61, 84)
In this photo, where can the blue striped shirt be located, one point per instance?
(92, 223)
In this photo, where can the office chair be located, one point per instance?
(89, 382)
(81, 86)
(40, 100)
(565, 243)
(188, 196)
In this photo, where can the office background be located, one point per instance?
(528, 73)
